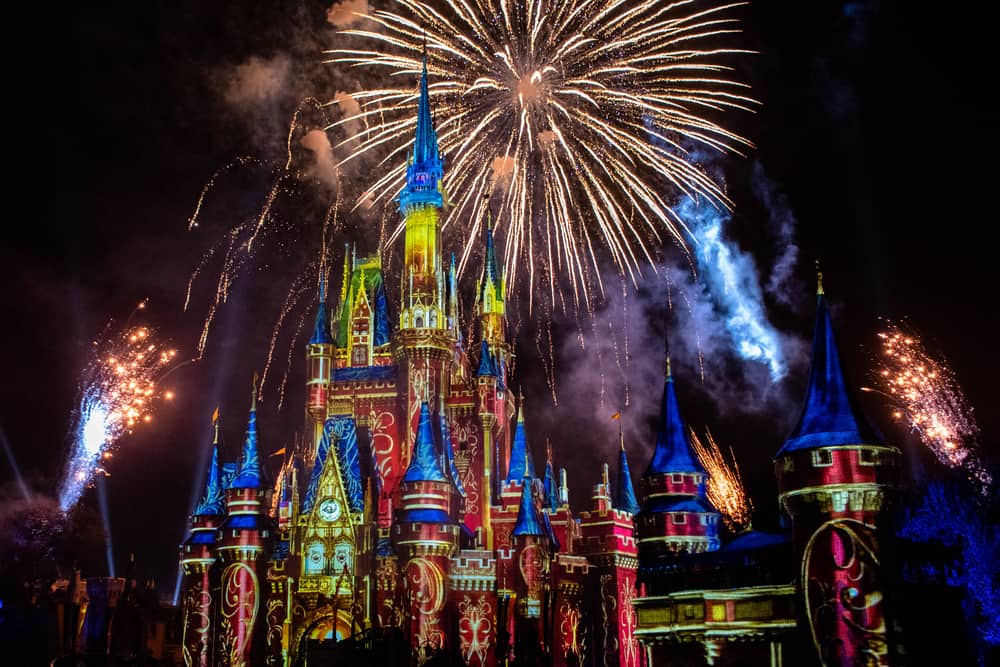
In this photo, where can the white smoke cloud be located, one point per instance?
(324, 166)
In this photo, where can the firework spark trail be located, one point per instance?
(924, 392)
(118, 391)
(240, 161)
(725, 484)
(585, 105)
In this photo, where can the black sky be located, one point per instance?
(873, 123)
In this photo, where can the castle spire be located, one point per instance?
(321, 327)
(521, 464)
(486, 363)
(250, 475)
(528, 522)
(453, 322)
(673, 451)
(213, 503)
(829, 415)
(424, 465)
(426, 169)
(549, 483)
(623, 497)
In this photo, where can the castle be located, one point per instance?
(414, 513)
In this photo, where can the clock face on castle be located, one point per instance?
(329, 510)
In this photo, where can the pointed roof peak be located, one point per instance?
(321, 327)
(829, 414)
(212, 503)
(673, 450)
(520, 464)
(487, 366)
(819, 280)
(424, 466)
(624, 493)
(528, 522)
(250, 475)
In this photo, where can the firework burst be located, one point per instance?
(924, 392)
(725, 484)
(119, 390)
(576, 115)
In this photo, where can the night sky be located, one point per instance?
(872, 127)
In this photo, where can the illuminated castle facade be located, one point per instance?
(413, 512)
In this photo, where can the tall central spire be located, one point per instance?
(426, 169)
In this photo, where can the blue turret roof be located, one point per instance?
(424, 466)
(250, 475)
(520, 464)
(549, 486)
(321, 328)
(486, 364)
(213, 502)
(673, 451)
(424, 174)
(829, 416)
(490, 273)
(528, 522)
(448, 457)
(624, 494)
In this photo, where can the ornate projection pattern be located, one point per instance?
(843, 594)
(240, 593)
(427, 593)
(197, 623)
(475, 626)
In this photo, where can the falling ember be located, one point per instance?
(118, 389)
(924, 392)
(725, 484)
(578, 118)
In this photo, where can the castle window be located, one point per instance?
(822, 458)
(789, 464)
(359, 355)
(434, 317)
(868, 457)
(704, 519)
(677, 478)
(419, 324)
(679, 518)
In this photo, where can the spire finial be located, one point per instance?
(604, 476)
(253, 392)
(621, 434)
(548, 450)
(215, 425)
(819, 280)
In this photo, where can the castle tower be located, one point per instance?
(676, 515)
(531, 543)
(426, 344)
(243, 539)
(197, 559)
(608, 540)
(426, 537)
(835, 476)
(319, 366)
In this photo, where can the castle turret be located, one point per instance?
(835, 478)
(676, 515)
(426, 537)
(319, 364)
(531, 542)
(624, 494)
(607, 538)
(243, 542)
(197, 559)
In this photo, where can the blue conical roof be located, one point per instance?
(549, 486)
(321, 328)
(528, 522)
(490, 273)
(520, 464)
(250, 475)
(426, 169)
(449, 457)
(624, 495)
(486, 363)
(213, 502)
(673, 451)
(829, 416)
(424, 466)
